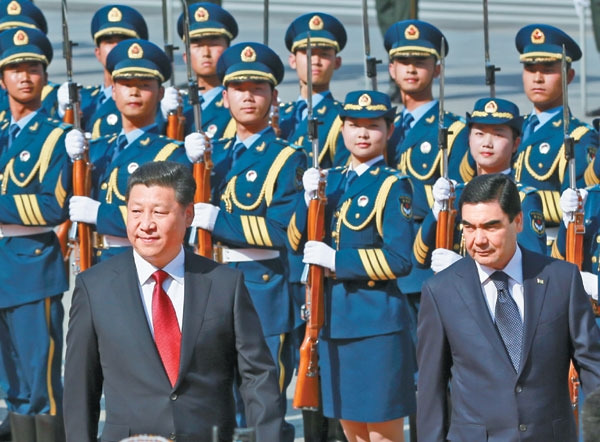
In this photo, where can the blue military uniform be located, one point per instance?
(209, 20)
(34, 185)
(100, 114)
(540, 160)
(113, 162)
(24, 13)
(366, 354)
(325, 31)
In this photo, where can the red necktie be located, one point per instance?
(166, 328)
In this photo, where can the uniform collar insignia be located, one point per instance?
(145, 142)
(34, 127)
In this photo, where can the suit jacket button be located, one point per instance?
(523, 427)
(173, 396)
(519, 389)
(172, 436)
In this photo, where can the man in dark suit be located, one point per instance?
(500, 328)
(165, 354)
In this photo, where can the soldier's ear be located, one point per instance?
(292, 60)
(570, 75)
(225, 98)
(338, 62)
(436, 70)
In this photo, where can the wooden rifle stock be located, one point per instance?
(201, 173)
(306, 395)
(444, 236)
(176, 125)
(575, 231)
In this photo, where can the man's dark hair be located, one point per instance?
(590, 417)
(493, 187)
(165, 174)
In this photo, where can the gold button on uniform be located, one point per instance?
(594, 259)
(540, 165)
(38, 251)
(597, 238)
(248, 195)
(22, 175)
(104, 186)
(371, 283)
(266, 277)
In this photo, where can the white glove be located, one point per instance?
(205, 216)
(441, 192)
(170, 101)
(83, 209)
(310, 182)
(195, 145)
(590, 284)
(62, 96)
(75, 144)
(319, 253)
(569, 202)
(442, 259)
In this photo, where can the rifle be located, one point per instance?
(306, 395)
(444, 237)
(81, 165)
(370, 62)
(202, 167)
(175, 118)
(490, 69)
(266, 22)
(576, 227)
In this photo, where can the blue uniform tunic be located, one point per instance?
(366, 353)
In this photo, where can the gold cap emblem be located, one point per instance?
(248, 54)
(537, 37)
(315, 23)
(364, 100)
(411, 32)
(135, 51)
(491, 107)
(114, 15)
(20, 38)
(201, 14)
(13, 8)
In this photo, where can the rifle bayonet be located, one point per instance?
(490, 69)
(370, 61)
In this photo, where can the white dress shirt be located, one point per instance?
(173, 286)
(514, 270)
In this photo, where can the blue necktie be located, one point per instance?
(508, 319)
(237, 152)
(530, 125)
(407, 119)
(13, 131)
(301, 106)
(119, 147)
(351, 176)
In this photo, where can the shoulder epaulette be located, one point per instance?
(527, 189)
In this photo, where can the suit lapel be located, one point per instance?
(534, 293)
(196, 294)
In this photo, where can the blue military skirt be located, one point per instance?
(368, 379)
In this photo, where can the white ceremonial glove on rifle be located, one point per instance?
(441, 192)
(205, 216)
(83, 209)
(569, 202)
(62, 97)
(170, 101)
(319, 253)
(75, 144)
(442, 259)
(310, 182)
(195, 145)
(590, 284)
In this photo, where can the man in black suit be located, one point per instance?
(165, 352)
(500, 328)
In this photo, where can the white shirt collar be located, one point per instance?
(175, 268)
(363, 167)
(514, 269)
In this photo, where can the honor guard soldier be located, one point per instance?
(540, 159)
(35, 181)
(256, 179)
(111, 24)
(138, 68)
(494, 135)
(366, 353)
(415, 50)
(212, 29)
(328, 38)
(24, 13)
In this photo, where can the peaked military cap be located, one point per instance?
(495, 111)
(414, 38)
(538, 43)
(24, 44)
(22, 13)
(250, 62)
(367, 104)
(118, 20)
(137, 58)
(325, 31)
(209, 20)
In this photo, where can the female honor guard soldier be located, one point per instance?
(34, 184)
(138, 69)
(256, 180)
(111, 24)
(212, 29)
(366, 354)
(494, 134)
